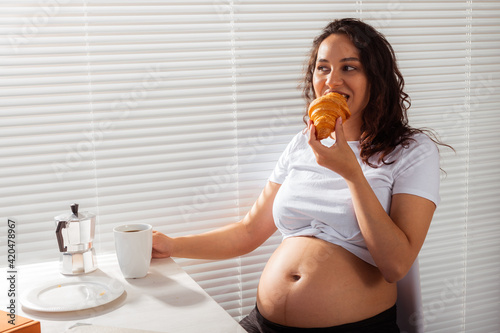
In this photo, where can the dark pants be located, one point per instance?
(384, 322)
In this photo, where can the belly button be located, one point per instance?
(295, 277)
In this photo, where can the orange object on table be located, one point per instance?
(12, 323)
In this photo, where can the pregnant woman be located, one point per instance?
(354, 208)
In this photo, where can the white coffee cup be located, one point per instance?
(133, 244)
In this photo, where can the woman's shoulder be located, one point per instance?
(418, 147)
(422, 137)
(413, 147)
(420, 141)
(299, 140)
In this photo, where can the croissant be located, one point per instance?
(324, 112)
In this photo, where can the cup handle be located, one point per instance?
(60, 241)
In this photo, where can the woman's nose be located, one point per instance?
(334, 79)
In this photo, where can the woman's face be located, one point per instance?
(339, 69)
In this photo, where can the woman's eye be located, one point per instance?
(322, 68)
(349, 68)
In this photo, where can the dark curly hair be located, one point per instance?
(384, 120)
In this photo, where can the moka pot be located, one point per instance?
(75, 236)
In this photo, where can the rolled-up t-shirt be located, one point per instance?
(316, 201)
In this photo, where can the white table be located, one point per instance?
(166, 300)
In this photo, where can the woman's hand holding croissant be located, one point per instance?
(339, 157)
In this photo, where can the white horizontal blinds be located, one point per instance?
(482, 306)
(161, 83)
(46, 148)
(272, 40)
(102, 102)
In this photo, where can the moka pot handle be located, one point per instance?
(60, 240)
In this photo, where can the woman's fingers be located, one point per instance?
(339, 157)
(162, 246)
(339, 133)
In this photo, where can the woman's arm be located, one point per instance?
(230, 241)
(395, 239)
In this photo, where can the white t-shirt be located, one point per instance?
(315, 201)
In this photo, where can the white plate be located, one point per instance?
(73, 293)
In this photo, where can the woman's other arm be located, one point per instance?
(393, 240)
(230, 241)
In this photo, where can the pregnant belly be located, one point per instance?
(308, 282)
